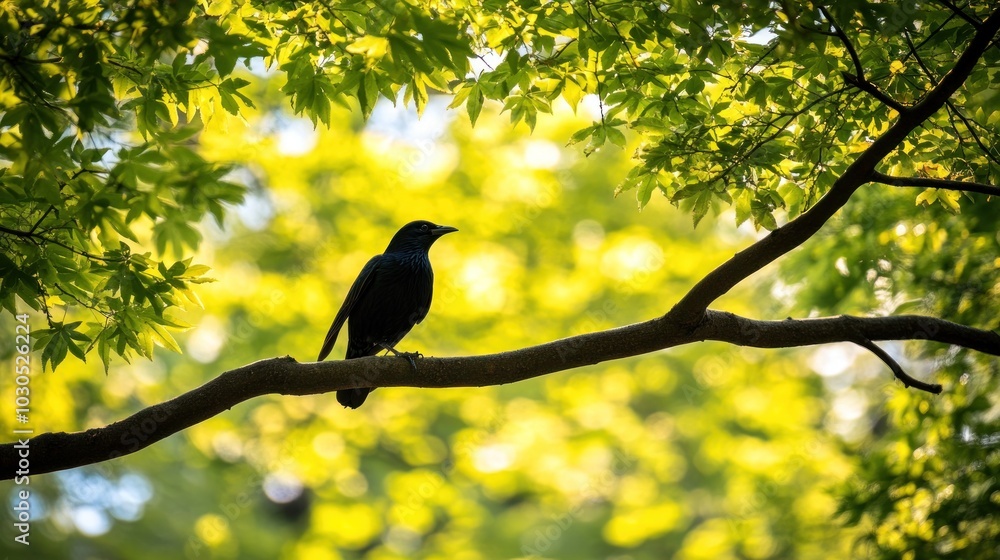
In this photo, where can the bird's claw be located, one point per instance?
(408, 355)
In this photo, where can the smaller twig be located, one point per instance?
(812, 29)
(750, 67)
(961, 13)
(61, 185)
(859, 80)
(779, 129)
(845, 40)
(930, 76)
(113, 62)
(39, 222)
(625, 43)
(83, 170)
(333, 13)
(932, 183)
(972, 131)
(37, 236)
(953, 110)
(897, 370)
(597, 77)
(484, 61)
(864, 85)
(16, 59)
(930, 35)
(89, 306)
(916, 56)
(39, 93)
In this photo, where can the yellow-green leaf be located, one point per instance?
(371, 46)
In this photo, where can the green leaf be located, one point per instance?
(164, 337)
(368, 94)
(474, 104)
(646, 187)
(694, 85)
(615, 136)
(702, 203)
(370, 46)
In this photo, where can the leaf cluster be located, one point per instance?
(102, 106)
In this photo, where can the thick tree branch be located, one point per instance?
(929, 182)
(797, 231)
(58, 451)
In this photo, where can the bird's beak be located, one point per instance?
(441, 230)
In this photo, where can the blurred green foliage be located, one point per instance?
(928, 473)
(124, 127)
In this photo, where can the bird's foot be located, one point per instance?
(408, 355)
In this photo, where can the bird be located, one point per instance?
(391, 294)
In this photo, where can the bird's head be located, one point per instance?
(418, 235)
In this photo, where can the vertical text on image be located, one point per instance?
(22, 412)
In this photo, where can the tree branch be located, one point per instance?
(859, 80)
(864, 85)
(17, 59)
(37, 236)
(972, 131)
(845, 40)
(783, 239)
(931, 183)
(897, 370)
(961, 13)
(951, 106)
(58, 451)
(779, 130)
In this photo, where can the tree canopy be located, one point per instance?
(143, 141)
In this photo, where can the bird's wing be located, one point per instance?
(426, 303)
(362, 283)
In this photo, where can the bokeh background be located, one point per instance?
(704, 451)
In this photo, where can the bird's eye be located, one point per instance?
(425, 227)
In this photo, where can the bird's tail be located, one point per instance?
(353, 398)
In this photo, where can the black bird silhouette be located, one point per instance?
(392, 293)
